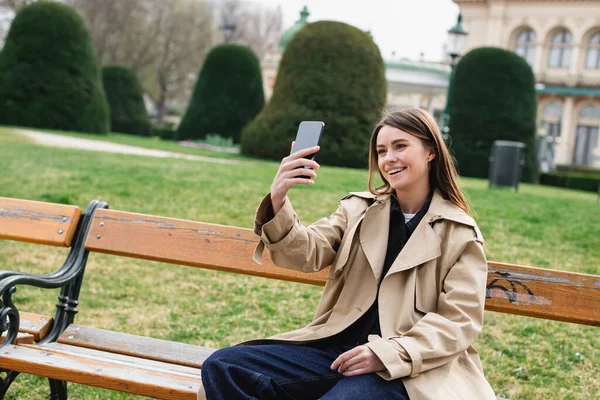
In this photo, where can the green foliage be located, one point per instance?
(330, 72)
(125, 97)
(589, 182)
(174, 111)
(214, 139)
(165, 132)
(493, 98)
(49, 77)
(578, 168)
(228, 94)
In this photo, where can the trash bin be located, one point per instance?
(506, 163)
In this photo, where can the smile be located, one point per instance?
(395, 171)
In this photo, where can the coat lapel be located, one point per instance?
(422, 246)
(374, 235)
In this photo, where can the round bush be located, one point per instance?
(330, 72)
(125, 98)
(493, 98)
(49, 77)
(228, 94)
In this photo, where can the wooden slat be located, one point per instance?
(192, 373)
(129, 377)
(38, 222)
(543, 293)
(35, 324)
(197, 244)
(132, 345)
(558, 295)
(22, 338)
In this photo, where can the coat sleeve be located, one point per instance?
(440, 336)
(293, 245)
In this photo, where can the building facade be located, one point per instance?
(560, 39)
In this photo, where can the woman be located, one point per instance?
(405, 294)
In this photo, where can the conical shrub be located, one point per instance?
(49, 77)
(330, 72)
(228, 94)
(493, 98)
(125, 98)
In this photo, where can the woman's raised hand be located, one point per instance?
(289, 174)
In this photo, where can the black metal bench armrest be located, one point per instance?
(68, 277)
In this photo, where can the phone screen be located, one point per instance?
(309, 133)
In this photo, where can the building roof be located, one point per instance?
(568, 91)
(289, 34)
(407, 76)
(405, 64)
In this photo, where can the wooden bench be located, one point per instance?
(169, 370)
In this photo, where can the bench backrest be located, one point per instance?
(513, 289)
(38, 222)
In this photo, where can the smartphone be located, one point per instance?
(309, 134)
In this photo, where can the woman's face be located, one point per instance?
(403, 160)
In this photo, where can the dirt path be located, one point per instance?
(54, 140)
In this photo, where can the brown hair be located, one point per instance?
(420, 124)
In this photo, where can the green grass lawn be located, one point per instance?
(524, 358)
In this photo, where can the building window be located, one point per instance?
(592, 60)
(551, 119)
(586, 135)
(550, 134)
(525, 45)
(560, 50)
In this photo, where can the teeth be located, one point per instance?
(393, 171)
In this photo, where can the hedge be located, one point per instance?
(49, 77)
(572, 180)
(330, 72)
(228, 94)
(493, 98)
(126, 99)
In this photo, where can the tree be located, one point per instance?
(162, 41)
(124, 93)
(228, 94)
(49, 77)
(246, 23)
(330, 72)
(493, 98)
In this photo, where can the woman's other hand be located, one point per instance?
(289, 174)
(357, 361)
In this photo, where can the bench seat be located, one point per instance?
(105, 370)
(113, 360)
(138, 346)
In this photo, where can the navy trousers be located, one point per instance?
(289, 371)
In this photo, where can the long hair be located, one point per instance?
(442, 174)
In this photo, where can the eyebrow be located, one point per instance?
(393, 142)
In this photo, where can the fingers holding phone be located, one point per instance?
(294, 169)
(299, 167)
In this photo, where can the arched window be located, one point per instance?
(551, 119)
(525, 45)
(560, 50)
(589, 112)
(550, 137)
(592, 59)
(586, 136)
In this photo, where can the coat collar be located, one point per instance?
(439, 208)
(423, 245)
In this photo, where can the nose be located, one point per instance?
(390, 156)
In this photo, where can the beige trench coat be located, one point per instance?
(431, 301)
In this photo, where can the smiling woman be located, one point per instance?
(384, 248)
